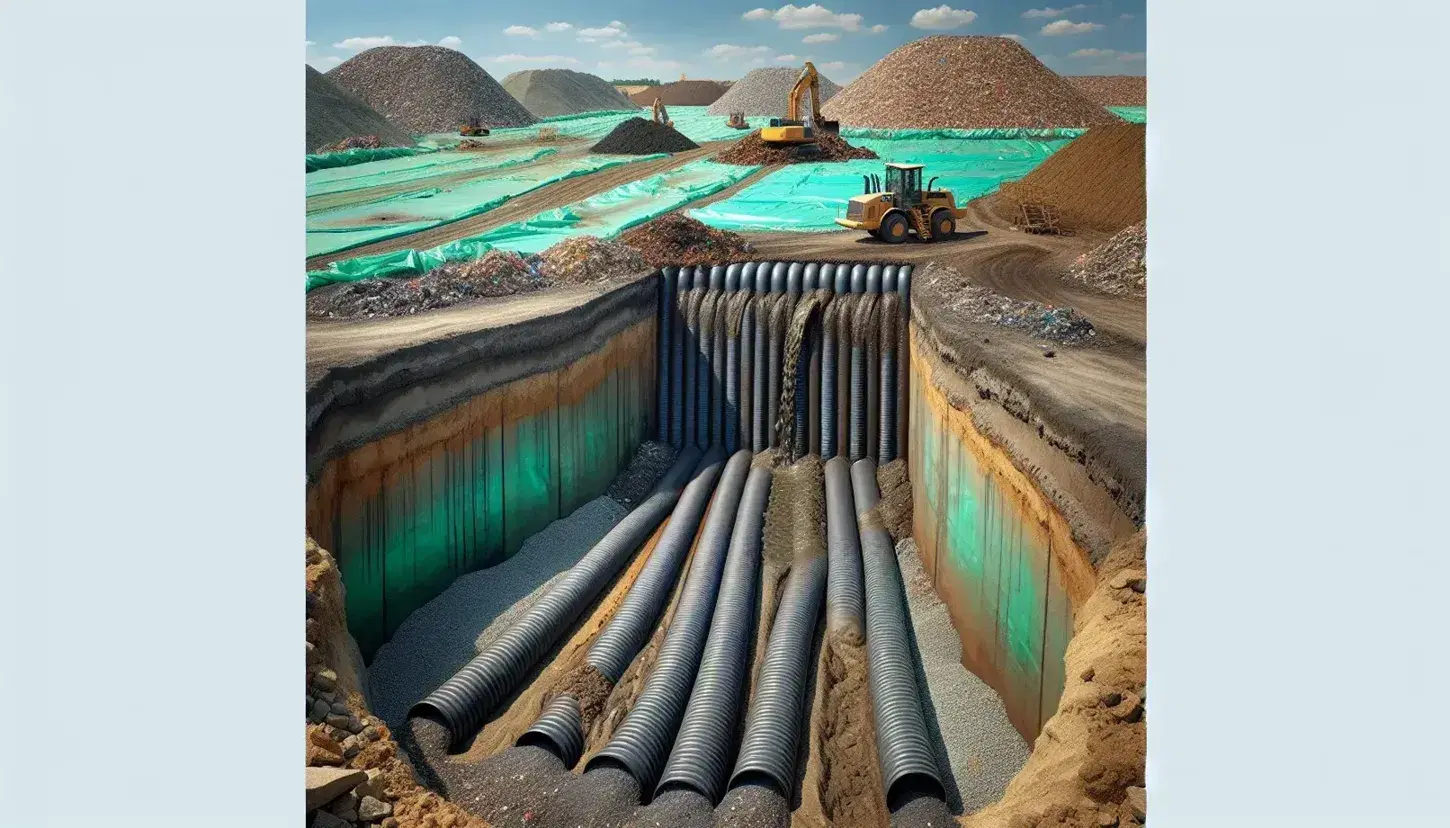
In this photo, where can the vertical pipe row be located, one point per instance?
(873, 359)
(705, 343)
(730, 420)
(678, 340)
(692, 354)
(903, 356)
(662, 353)
(747, 357)
(890, 323)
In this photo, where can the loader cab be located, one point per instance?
(904, 180)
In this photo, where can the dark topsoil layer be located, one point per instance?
(677, 239)
(638, 136)
(752, 150)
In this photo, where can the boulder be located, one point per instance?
(326, 784)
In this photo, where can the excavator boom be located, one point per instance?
(792, 130)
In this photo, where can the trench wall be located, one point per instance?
(408, 513)
(999, 554)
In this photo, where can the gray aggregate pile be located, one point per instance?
(428, 89)
(550, 92)
(649, 462)
(767, 92)
(966, 718)
(334, 114)
(752, 806)
(674, 809)
(923, 812)
(442, 635)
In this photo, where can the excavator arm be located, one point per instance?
(809, 81)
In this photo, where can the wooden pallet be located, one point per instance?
(1040, 218)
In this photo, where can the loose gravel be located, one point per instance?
(442, 635)
(1112, 90)
(752, 150)
(496, 273)
(584, 260)
(639, 136)
(1117, 266)
(950, 81)
(767, 92)
(966, 718)
(675, 809)
(752, 806)
(551, 92)
(334, 114)
(634, 483)
(682, 93)
(426, 89)
(677, 239)
(978, 304)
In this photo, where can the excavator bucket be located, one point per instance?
(832, 127)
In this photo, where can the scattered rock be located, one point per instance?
(496, 273)
(1111, 699)
(1062, 325)
(318, 713)
(1049, 353)
(677, 239)
(373, 786)
(351, 746)
(584, 260)
(321, 748)
(326, 784)
(1137, 802)
(1129, 709)
(326, 679)
(323, 819)
(337, 720)
(1087, 675)
(371, 809)
(1107, 820)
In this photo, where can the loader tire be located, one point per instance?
(893, 228)
(943, 224)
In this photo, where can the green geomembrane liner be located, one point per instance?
(415, 169)
(1131, 114)
(604, 215)
(690, 121)
(331, 231)
(809, 197)
(360, 155)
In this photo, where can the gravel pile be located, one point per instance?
(682, 93)
(638, 136)
(949, 81)
(969, 722)
(583, 260)
(1112, 90)
(676, 239)
(334, 114)
(355, 142)
(1117, 266)
(1099, 181)
(634, 483)
(767, 92)
(428, 89)
(752, 150)
(978, 304)
(497, 273)
(441, 636)
(550, 92)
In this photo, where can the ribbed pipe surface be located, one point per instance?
(845, 596)
(730, 428)
(747, 375)
(887, 449)
(692, 358)
(559, 730)
(678, 339)
(828, 387)
(464, 701)
(663, 345)
(705, 370)
(642, 743)
(627, 631)
(761, 394)
(717, 373)
(778, 320)
(700, 758)
(908, 763)
(858, 402)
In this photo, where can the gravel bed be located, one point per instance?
(1117, 266)
(334, 114)
(551, 92)
(1112, 90)
(496, 273)
(767, 92)
(675, 809)
(584, 260)
(441, 636)
(978, 304)
(426, 89)
(752, 806)
(639, 136)
(966, 717)
(677, 239)
(634, 483)
(951, 81)
(923, 812)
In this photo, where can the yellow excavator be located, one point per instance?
(737, 121)
(791, 131)
(473, 128)
(903, 206)
(660, 115)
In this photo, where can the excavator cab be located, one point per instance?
(792, 130)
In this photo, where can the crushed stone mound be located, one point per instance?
(428, 89)
(752, 150)
(1098, 181)
(356, 142)
(586, 259)
(975, 303)
(955, 82)
(767, 92)
(497, 273)
(682, 93)
(1118, 266)
(638, 136)
(1112, 90)
(334, 115)
(550, 92)
(675, 239)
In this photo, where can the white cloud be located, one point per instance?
(1067, 27)
(1093, 53)
(814, 16)
(619, 44)
(311, 43)
(417, 43)
(642, 50)
(559, 27)
(942, 17)
(1016, 37)
(322, 64)
(835, 65)
(534, 59)
(369, 42)
(786, 58)
(611, 30)
(521, 31)
(451, 41)
(1051, 12)
(727, 50)
(1132, 57)
(616, 24)
(879, 28)
(824, 37)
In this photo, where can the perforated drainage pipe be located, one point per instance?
(764, 302)
(845, 600)
(908, 763)
(642, 743)
(700, 758)
(464, 701)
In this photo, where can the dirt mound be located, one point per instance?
(334, 114)
(497, 273)
(585, 259)
(766, 92)
(550, 92)
(953, 82)
(355, 142)
(638, 136)
(1098, 181)
(682, 93)
(675, 239)
(1117, 266)
(428, 89)
(1112, 90)
(752, 150)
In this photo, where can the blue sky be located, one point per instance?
(723, 40)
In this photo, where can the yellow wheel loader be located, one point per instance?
(791, 131)
(903, 207)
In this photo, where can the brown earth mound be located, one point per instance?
(1112, 90)
(1098, 181)
(674, 239)
(752, 150)
(334, 115)
(550, 92)
(428, 89)
(682, 93)
(953, 82)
